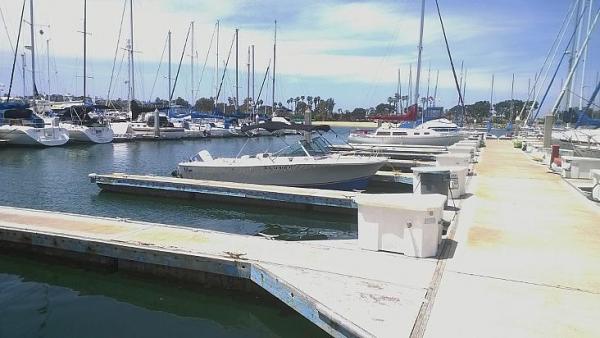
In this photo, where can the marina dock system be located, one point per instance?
(520, 260)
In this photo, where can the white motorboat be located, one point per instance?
(432, 133)
(307, 164)
(20, 126)
(144, 127)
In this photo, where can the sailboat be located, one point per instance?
(19, 124)
(433, 133)
(76, 119)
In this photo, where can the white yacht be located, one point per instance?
(440, 132)
(19, 125)
(307, 164)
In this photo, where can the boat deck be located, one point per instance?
(526, 259)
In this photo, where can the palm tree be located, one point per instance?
(302, 98)
(309, 99)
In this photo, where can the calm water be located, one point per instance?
(56, 179)
(38, 299)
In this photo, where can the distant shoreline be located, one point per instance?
(354, 124)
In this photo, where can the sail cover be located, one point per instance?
(272, 126)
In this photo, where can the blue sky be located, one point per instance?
(348, 50)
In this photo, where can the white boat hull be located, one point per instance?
(335, 174)
(87, 134)
(30, 136)
(429, 140)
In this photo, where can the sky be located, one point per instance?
(348, 50)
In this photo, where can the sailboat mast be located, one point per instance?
(84, 49)
(23, 74)
(48, 66)
(169, 67)
(248, 79)
(409, 84)
(237, 85)
(132, 70)
(492, 97)
(512, 97)
(217, 67)
(437, 79)
(398, 97)
(33, 90)
(192, 65)
(274, 56)
(574, 50)
(420, 50)
(585, 55)
(253, 98)
(428, 82)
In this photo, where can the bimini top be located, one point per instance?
(272, 126)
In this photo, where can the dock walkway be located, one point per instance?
(527, 259)
(346, 291)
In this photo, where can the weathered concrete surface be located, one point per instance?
(345, 290)
(527, 261)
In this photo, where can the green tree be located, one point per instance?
(204, 104)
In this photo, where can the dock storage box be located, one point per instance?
(431, 180)
(579, 167)
(460, 160)
(460, 149)
(596, 181)
(401, 223)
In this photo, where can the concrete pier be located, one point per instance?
(526, 258)
(289, 197)
(346, 291)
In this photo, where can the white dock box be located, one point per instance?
(402, 223)
(579, 167)
(595, 174)
(470, 143)
(461, 160)
(458, 149)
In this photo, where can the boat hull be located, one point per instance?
(30, 136)
(89, 134)
(437, 140)
(342, 176)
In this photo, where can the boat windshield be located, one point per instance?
(317, 147)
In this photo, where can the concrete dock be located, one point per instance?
(520, 260)
(289, 197)
(346, 291)
(526, 260)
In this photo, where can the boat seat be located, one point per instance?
(203, 156)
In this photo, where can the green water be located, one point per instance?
(46, 299)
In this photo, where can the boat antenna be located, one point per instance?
(12, 72)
